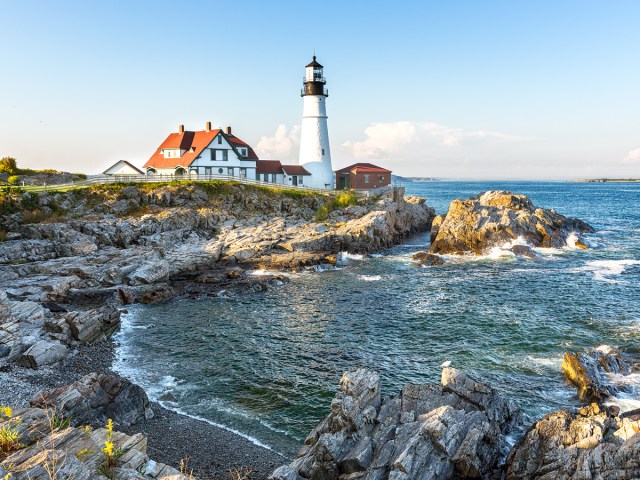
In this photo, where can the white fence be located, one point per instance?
(106, 179)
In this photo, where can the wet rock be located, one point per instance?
(497, 217)
(584, 445)
(588, 371)
(426, 258)
(95, 398)
(42, 353)
(429, 431)
(90, 325)
(523, 251)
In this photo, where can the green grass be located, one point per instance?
(341, 200)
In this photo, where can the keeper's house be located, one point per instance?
(362, 176)
(205, 152)
(215, 152)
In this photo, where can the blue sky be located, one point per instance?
(465, 89)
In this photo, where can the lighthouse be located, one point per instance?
(315, 155)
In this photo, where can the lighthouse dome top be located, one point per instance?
(314, 63)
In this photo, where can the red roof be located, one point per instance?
(193, 143)
(268, 166)
(363, 168)
(295, 170)
(251, 155)
(184, 141)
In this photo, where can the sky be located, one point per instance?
(461, 90)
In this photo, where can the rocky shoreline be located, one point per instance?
(212, 451)
(71, 261)
(65, 279)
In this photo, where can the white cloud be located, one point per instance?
(284, 144)
(393, 139)
(632, 157)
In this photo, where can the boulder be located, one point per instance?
(497, 217)
(95, 398)
(523, 251)
(589, 372)
(426, 258)
(455, 430)
(582, 445)
(43, 352)
(90, 325)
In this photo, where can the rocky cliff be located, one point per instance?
(496, 217)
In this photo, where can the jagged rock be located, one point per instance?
(584, 445)
(435, 227)
(95, 398)
(426, 258)
(496, 217)
(429, 432)
(588, 371)
(92, 324)
(76, 453)
(42, 353)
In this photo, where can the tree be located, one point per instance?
(8, 165)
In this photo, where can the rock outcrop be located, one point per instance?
(590, 372)
(497, 217)
(95, 398)
(50, 451)
(589, 444)
(453, 430)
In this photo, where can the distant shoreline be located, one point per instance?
(608, 180)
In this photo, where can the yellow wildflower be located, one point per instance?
(110, 425)
(6, 411)
(108, 448)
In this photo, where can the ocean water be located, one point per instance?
(267, 365)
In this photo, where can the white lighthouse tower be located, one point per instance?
(315, 155)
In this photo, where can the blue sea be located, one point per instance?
(267, 365)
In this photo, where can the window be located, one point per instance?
(265, 177)
(273, 178)
(243, 152)
(230, 171)
(323, 151)
(225, 155)
(381, 177)
(300, 177)
(366, 179)
(220, 170)
(243, 172)
(219, 139)
(207, 170)
(213, 155)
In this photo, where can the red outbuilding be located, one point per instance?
(362, 176)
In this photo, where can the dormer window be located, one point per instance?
(243, 152)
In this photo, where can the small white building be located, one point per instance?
(205, 152)
(122, 168)
(273, 171)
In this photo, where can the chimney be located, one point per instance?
(229, 130)
(207, 126)
(180, 128)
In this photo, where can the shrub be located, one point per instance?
(8, 165)
(3, 236)
(13, 180)
(344, 199)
